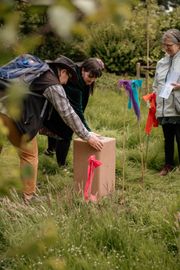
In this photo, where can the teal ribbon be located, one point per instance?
(135, 85)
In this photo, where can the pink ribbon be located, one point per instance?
(92, 164)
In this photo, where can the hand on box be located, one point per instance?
(95, 142)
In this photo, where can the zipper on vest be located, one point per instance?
(171, 59)
(44, 108)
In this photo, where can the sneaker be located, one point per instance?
(166, 169)
(27, 198)
(49, 153)
(33, 198)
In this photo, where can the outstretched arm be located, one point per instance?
(57, 96)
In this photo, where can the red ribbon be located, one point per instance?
(151, 120)
(92, 164)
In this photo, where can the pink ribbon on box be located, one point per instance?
(92, 164)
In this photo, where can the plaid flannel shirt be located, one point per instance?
(57, 96)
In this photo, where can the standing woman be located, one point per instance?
(167, 87)
(78, 94)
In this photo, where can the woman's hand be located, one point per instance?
(176, 86)
(95, 142)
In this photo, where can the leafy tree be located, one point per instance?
(166, 3)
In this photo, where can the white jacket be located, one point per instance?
(166, 107)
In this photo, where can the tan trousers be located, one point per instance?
(28, 153)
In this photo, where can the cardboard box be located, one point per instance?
(104, 175)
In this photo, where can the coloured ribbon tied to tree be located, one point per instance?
(92, 164)
(132, 87)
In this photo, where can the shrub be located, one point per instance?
(107, 41)
(52, 47)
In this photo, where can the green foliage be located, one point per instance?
(138, 228)
(120, 40)
(122, 46)
(167, 3)
(53, 46)
(9, 177)
(109, 43)
(170, 20)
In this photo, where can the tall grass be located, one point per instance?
(61, 231)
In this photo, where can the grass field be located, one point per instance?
(135, 228)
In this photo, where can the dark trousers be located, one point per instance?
(61, 147)
(171, 131)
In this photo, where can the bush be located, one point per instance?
(108, 42)
(120, 46)
(52, 47)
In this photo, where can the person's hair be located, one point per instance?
(94, 67)
(173, 34)
(55, 69)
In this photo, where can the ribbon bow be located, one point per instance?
(92, 164)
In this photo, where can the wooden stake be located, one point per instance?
(147, 47)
